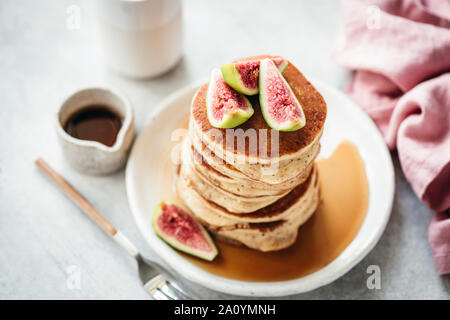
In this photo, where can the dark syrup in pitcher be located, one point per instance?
(96, 123)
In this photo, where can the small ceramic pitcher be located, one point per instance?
(92, 157)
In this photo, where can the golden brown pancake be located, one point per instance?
(214, 214)
(241, 201)
(260, 230)
(243, 185)
(313, 104)
(274, 209)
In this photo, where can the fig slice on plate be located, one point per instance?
(279, 105)
(226, 108)
(243, 76)
(176, 225)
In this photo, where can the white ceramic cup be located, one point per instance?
(92, 157)
(141, 38)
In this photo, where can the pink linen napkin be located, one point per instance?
(400, 50)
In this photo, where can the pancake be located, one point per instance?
(217, 217)
(243, 185)
(264, 236)
(290, 143)
(252, 185)
(271, 237)
(252, 146)
(290, 171)
(234, 202)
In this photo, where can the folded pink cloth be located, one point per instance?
(400, 51)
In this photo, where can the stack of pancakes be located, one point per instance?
(258, 193)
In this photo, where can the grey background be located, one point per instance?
(42, 234)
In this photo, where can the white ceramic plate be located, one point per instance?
(345, 121)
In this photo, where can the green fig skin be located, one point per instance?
(282, 67)
(233, 78)
(174, 243)
(286, 126)
(230, 120)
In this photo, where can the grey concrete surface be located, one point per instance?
(43, 235)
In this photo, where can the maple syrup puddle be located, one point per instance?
(344, 194)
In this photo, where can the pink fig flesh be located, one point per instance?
(226, 108)
(243, 76)
(279, 105)
(175, 225)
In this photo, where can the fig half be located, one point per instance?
(243, 76)
(226, 108)
(176, 225)
(279, 105)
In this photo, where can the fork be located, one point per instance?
(157, 281)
